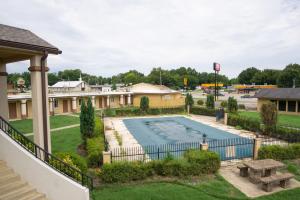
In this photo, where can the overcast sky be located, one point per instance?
(113, 36)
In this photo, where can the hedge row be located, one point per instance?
(246, 123)
(134, 111)
(280, 152)
(203, 111)
(194, 163)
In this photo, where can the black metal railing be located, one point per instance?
(49, 159)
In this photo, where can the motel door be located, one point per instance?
(65, 106)
(12, 110)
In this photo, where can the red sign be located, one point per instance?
(217, 67)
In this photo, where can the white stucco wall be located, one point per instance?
(45, 179)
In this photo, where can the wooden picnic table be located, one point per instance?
(262, 168)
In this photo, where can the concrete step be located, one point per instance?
(6, 179)
(18, 193)
(6, 188)
(2, 162)
(33, 196)
(6, 171)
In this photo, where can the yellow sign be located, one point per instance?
(185, 81)
(211, 85)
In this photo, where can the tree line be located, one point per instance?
(174, 78)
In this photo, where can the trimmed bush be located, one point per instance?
(194, 162)
(224, 104)
(133, 111)
(210, 102)
(78, 161)
(280, 152)
(232, 105)
(144, 104)
(189, 100)
(200, 102)
(269, 117)
(246, 123)
(203, 111)
(94, 148)
(242, 106)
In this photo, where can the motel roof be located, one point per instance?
(67, 84)
(279, 93)
(24, 39)
(146, 88)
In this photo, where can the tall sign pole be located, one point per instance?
(217, 68)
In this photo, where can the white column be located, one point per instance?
(93, 101)
(37, 108)
(103, 102)
(3, 92)
(121, 99)
(51, 107)
(129, 99)
(108, 101)
(74, 105)
(23, 109)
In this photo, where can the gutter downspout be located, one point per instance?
(44, 102)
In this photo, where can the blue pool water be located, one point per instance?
(168, 132)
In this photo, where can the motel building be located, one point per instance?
(287, 100)
(28, 170)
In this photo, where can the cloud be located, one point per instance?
(113, 36)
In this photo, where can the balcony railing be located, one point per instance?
(49, 159)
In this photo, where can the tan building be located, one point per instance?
(69, 86)
(20, 106)
(287, 100)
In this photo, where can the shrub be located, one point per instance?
(133, 111)
(200, 102)
(99, 127)
(210, 102)
(83, 123)
(144, 104)
(232, 105)
(77, 161)
(246, 123)
(203, 111)
(224, 104)
(242, 106)
(189, 101)
(90, 119)
(280, 152)
(268, 114)
(94, 147)
(288, 134)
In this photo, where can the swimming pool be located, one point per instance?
(177, 134)
(171, 130)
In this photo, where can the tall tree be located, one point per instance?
(245, 77)
(290, 74)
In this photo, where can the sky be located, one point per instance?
(107, 37)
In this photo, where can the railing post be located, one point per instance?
(107, 156)
(225, 118)
(204, 146)
(256, 146)
(158, 152)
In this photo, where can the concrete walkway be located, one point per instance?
(231, 174)
(57, 129)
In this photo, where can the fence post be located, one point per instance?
(257, 144)
(106, 157)
(188, 109)
(225, 118)
(204, 146)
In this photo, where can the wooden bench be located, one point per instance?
(268, 182)
(243, 170)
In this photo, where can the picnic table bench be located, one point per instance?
(243, 170)
(282, 179)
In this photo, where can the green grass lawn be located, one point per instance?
(66, 140)
(284, 119)
(212, 189)
(25, 126)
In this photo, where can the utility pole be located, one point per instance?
(294, 82)
(160, 77)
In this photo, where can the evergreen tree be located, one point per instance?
(210, 101)
(232, 105)
(83, 123)
(144, 104)
(90, 119)
(189, 101)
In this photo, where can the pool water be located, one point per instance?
(172, 130)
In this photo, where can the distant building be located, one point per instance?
(287, 100)
(105, 87)
(69, 86)
(249, 88)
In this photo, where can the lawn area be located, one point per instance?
(212, 189)
(284, 119)
(25, 126)
(66, 140)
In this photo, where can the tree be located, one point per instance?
(210, 101)
(114, 86)
(245, 77)
(83, 121)
(288, 75)
(52, 78)
(90, 119)
(189, 101)
(232, 105)
(268, 114)
(144, 104)
(268, 76)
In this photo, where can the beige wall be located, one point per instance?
(160, 100)
(260, 102)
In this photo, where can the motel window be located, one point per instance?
(298, 106)
(282, 105)
(56, 103)
(80, 100)
(166, 97)
(292, 106)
